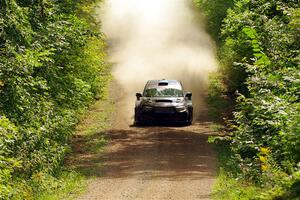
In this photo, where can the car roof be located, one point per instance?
(163, 81)
(156, 83)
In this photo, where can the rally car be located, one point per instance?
(163, 101)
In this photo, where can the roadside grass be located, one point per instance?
(231, 185)
(68, 185)
(90, 132)
(228, 188)
(216, 127)
(89, 139)
(228, 185)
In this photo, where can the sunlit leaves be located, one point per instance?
(266, 116)
(52, 66)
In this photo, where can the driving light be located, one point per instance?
(180, 109)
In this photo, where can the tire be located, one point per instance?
(190, 120)
(137, 121)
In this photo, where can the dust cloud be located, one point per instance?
(155, 39)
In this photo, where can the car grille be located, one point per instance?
(167, 110)
(163, 101)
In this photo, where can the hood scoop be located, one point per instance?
(163, 101)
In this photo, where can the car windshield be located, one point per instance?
(163, 91)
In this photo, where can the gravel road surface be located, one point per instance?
(156, 162)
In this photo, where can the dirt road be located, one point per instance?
(154, 163)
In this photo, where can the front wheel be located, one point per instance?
(191, 116)
(136, 117)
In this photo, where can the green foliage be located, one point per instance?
(52, 66)
(230, 188)
(230, 77)
(259, 56)
(67, 185)
(219, 103)
(231, 182)
(215, 11)
(266, 117)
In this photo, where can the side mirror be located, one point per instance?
(138, 96)
(188, 95)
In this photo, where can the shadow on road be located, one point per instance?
(152, 152)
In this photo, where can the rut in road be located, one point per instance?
(153, 163)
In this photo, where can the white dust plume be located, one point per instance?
(155, 39)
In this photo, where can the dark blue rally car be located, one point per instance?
(163, 101)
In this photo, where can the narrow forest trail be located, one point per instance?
(153, 40)
(155, 162)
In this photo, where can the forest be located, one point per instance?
(258, 49)
(53, 65)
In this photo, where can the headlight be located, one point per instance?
(147, 108)
(180, 109)
(149, 101)
(179, 100)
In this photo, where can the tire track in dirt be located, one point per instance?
(155, 163)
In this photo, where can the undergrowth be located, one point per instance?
(258, 52)
(89, 139)
(231, 183)
(52, 67)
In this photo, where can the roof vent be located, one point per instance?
(163, 83)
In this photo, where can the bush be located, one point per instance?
(259, 56)
(52, 66)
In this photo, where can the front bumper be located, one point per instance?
(163, 114)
